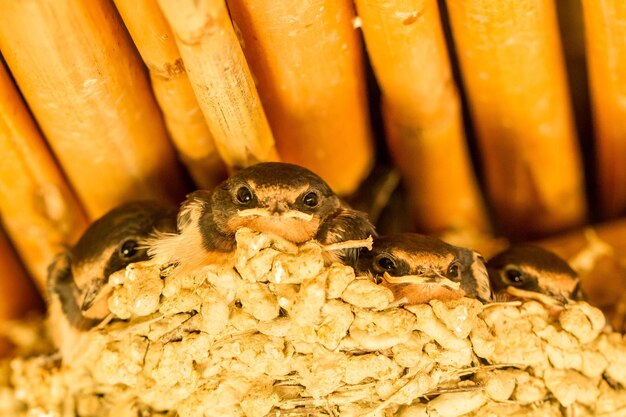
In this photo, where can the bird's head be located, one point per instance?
(110, 244)
(421, 268)
(522, 270)
(275, 197)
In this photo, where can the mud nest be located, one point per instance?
(281, 334)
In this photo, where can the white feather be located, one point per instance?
(185, 249)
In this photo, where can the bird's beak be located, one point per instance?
(275, 211)
(95, 292)
(90, 295)
(422, 279)
(533, 295)
(278, 208)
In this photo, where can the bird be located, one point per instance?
(418, 268)
(78, 276)
(284, 199)
(524, 270)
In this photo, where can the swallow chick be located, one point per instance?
(272, 197)
(78, 277)
(531, 272)
(419, 268)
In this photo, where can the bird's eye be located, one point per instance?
(128, 249)
(386, 263)
(244, 195)
(514, 276)
(310, 199)
(453, 270)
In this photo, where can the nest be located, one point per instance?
(281, 334)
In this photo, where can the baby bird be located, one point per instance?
(419, 268)
(272, 197)
(523, 271)
(77, 276)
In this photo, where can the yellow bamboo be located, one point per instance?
(183, 117)
(422, 112)
(307, 62)
(605, 24)
(513, 71)
(77, 69)
(17, 294)
(38, 209)
(221, 80)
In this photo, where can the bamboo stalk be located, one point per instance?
(513, 71)
(308, 66)
(183, 117)
(605, 24)
(221, 80)
(422, 113)
(39, 210)
(17, 293)
(77, 69)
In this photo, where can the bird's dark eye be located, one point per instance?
(453, 270)
(128, 249)
(386, 263)
(310, 199)
(514, 276)
(244, 195)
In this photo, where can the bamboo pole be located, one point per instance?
(77, 69)
(39, 210)
(605, 24)
(422, 112)
(221, 80)
(308, 67)
(513, 71)
(183, 117)
(17, 293)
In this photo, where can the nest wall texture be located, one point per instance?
(153, 92)
(283, 334)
